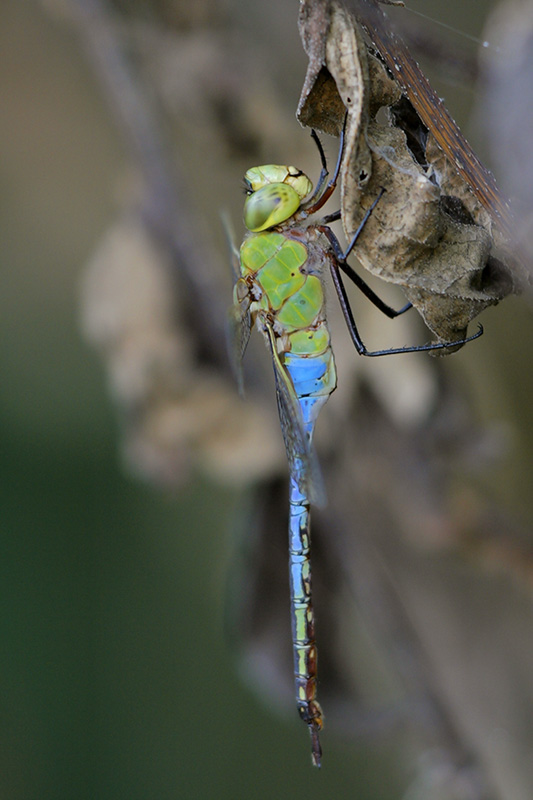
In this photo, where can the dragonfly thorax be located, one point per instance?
(275, 193)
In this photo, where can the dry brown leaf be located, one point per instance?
(429, 234)
(416, 241)
(337, 82)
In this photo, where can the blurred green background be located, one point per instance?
(115, 677)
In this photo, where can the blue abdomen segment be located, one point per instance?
(312, 375)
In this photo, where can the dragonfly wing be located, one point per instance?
(232, 247)
(239, 328)
(239, 320)
(303, 463)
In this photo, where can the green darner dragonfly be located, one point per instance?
(279, 289)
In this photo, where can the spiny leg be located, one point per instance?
(318, 200)
(358, 342)
(324, 172)
(341, 257)
(338, 262)
(362, 224)
(390, 312)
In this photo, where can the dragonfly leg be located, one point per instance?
(356, 338)
(362, 224)
(331, 217)
(321, 196)
(390, 312)
(324, 172)
(359, 282)
(341, 257)
(338, 263)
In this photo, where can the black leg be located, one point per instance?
(319, 188)
(316, 203)
(354, 333)
(389, 312)
(354, 277)
(331, 217)
(323, 161)
(342, 256)
(338, 263)
(362, 224)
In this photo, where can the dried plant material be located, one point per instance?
(431, 110)
(313, 23)
(428, 234)
(337, 81)
(422, 241)
(385, 90)
(176, 415)
(444, 174)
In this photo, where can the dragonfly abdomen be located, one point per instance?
(305, 654)
(312, 375)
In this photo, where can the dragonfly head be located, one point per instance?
(275, 193)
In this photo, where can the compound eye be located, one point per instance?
(270, 206)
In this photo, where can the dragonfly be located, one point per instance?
(279, 288)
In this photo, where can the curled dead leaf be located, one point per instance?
(429, 233)
(335, 91)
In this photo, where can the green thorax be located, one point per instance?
(282, 286)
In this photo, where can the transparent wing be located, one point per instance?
(239, 320)
(303, 463)
(230, 239)
(238, 335)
